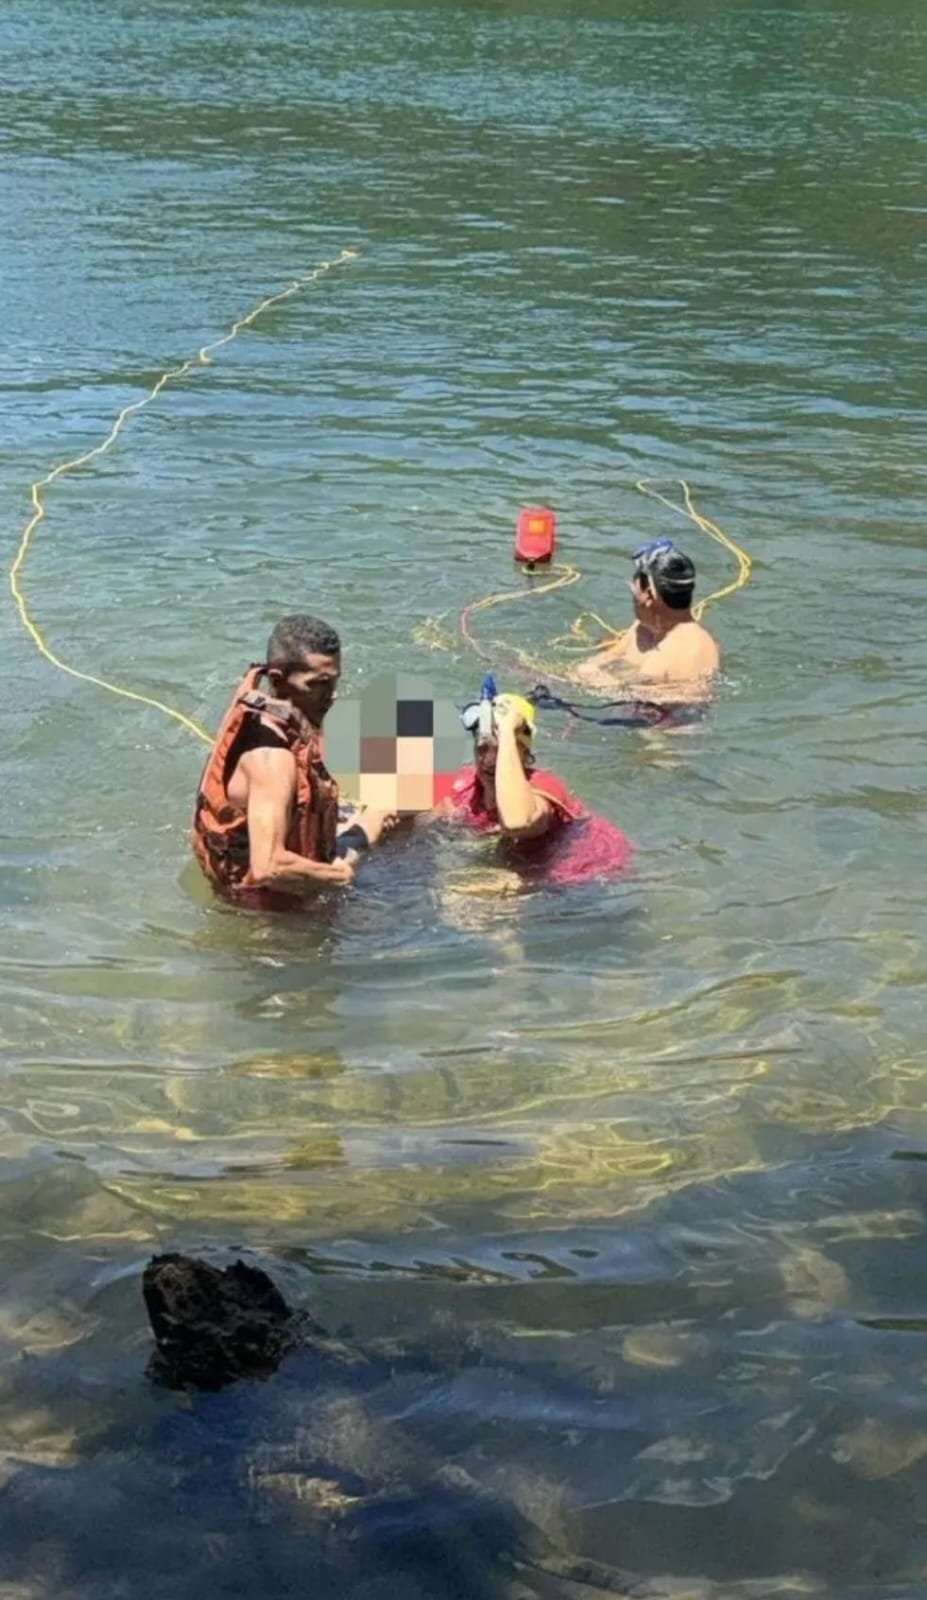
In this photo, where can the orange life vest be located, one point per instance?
(220, 830)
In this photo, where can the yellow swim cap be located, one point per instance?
(524, 708)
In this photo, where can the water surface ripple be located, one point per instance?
(633, 1178)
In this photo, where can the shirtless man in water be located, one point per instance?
(669, 655)
(267, 828)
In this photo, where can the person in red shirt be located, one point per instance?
(542, 826)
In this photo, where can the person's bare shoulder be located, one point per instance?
(683, 668)
(690, 652)
(708, 649)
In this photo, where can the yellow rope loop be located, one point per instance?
(202, 358)
(579, 640)
(688, 509)
(566, 575)
(432, 634)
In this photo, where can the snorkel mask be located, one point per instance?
(478, 716)
(644, 557)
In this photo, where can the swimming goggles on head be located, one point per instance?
(645, 554)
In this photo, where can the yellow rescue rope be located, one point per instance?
(578, 638)
(202, 358)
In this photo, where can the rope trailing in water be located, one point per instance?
(566, 575)
(711, 529)
(202, 358)
(578, 638)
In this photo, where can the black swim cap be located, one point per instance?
(672, 574)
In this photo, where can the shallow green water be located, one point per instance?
(629, 1152)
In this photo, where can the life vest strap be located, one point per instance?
(264, 706)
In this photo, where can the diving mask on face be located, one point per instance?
(475, 720)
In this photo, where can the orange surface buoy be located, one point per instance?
(535, 536)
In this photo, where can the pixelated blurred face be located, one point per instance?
(397, 774)
(395, 747)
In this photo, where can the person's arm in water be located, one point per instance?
(271, 778)
(683, 667)
(595, 668)
(367, 826)
(523, 813)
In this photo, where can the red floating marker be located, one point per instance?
(535, 536)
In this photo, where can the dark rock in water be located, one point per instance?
(376, 1517)
(214, 1325)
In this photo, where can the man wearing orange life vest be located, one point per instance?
(266, 815)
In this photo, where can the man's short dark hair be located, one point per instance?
(673, 577)
(295, 638)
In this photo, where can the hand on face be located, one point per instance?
(507, 718)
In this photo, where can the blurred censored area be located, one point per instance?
(395, 746)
